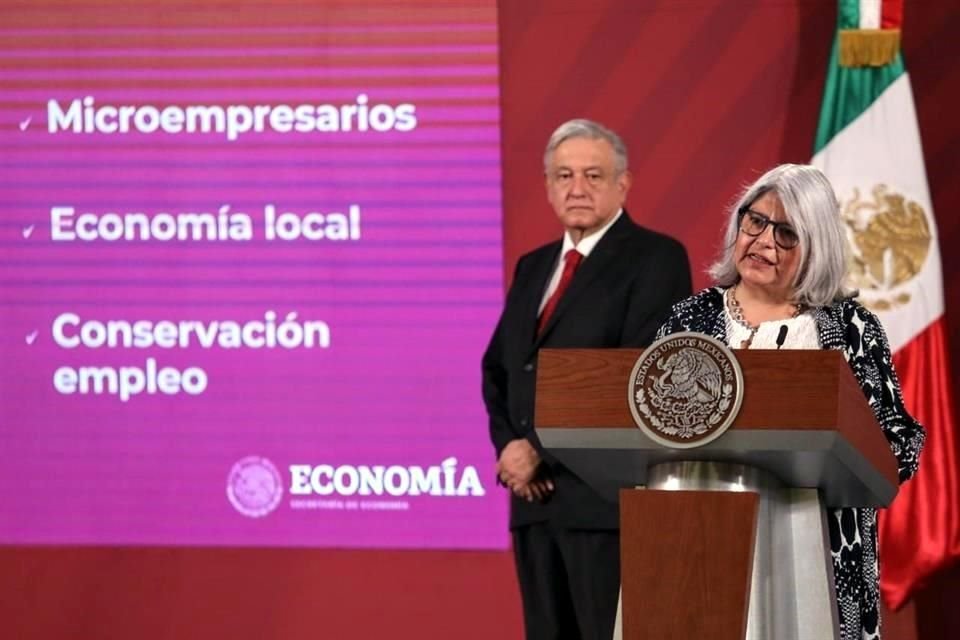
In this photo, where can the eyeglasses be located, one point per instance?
(753, 224)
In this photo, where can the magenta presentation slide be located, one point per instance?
(250, 263)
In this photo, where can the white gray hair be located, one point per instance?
(582, 128)
(813, 211)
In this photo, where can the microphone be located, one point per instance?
(782, 336)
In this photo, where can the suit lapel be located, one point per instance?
(540, 276)
(596, 264)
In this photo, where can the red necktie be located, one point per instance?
(571, 260)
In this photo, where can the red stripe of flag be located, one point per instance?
(891, 14)
(919, 534)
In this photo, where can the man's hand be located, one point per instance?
(537, 489)
(517, 468)
(518, 463)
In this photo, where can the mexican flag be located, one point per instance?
(868, 145)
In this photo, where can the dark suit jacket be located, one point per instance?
(619, 296)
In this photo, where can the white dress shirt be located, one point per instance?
(584, 247)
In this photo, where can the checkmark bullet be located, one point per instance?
(28, 231)
(32, 336)
(25, 124)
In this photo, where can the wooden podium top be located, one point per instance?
(804, 418)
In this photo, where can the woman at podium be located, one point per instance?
(780, 284)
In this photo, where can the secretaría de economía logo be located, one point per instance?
(254, 486)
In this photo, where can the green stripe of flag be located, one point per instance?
(848, 16)
(850, 91)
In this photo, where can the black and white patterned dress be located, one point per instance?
(850, 328)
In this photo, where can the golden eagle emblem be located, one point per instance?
(889, 238)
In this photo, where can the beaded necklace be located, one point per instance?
(736, 312)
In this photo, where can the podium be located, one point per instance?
(727, 541)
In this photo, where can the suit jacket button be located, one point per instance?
(524, 422)
(528, 367)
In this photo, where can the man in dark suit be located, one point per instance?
(607, 283)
